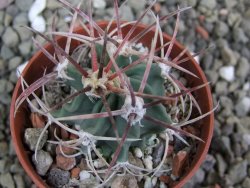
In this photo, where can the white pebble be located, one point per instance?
(138, 153)
(246, 86)
(20, 69)
(246, 139)
(227, 73)
(36, 8)
(84, 175)
(148, 162)
(37, 21)
(162, 185)
(148, 183)
(39, 24)
(99, 163)
(99, 4)
(154, 181)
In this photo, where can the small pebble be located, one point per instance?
(124, 181)
(65, 163)
(31, 137)
(147, 161)
(178, 161)
(58, 177)
(227, 73)
(37, 120)
(42, 162)
(84, 175)
(138, 153)
(75, 172)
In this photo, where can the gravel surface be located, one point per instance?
(223, 24)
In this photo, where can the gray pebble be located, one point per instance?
(124, 181)
(199, 176)
(221, 164)
(1, 16)
(16, 168)
(1, 30)
(7, 19)
(212, 178)
(25, 47)
(246, 183)
(234, 19)
(58, 177)
(230, 3)
(243, 106)
(9, 87)
(138, 5)
(238, 172)
(10, 37)
(12, 10)
(31, 136)
(19, 181)
(158, 153)
(126, 13)
(24, 5)
(14, 62)
(212, 76)
(228, 56)
(192, 3)
(6, 52)
(3, 148)
(239, 35)
(53, 5)
(5, 3)
(211, 4)
(234, 86)
(42, 162)
(3, 84)
(13, 77)
(3, 164)
(6, 180)
(243, 68)
(21, 19)
(221, 87)
(246, 26)
(221, 29)
(209, 163)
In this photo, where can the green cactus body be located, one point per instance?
(102, 126)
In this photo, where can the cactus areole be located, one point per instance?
(120, 100)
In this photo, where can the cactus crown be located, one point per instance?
(118, 89)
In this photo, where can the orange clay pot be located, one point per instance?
(39, 61)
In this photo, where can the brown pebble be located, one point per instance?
(73, 137)
(165, 179)
(202, 18)
(202, 32)
(75, 172)
(37, 120)
(170, 150)
(66, 150)
(193, 130)
(157, 7)
(217, 185)
(178, 163)
(64, 134)
(65, 163)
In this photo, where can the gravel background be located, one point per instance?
(224, 24)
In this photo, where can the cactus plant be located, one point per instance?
(118, 91)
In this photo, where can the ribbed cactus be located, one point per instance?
(89, 104)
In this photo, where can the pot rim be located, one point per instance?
(29, 168)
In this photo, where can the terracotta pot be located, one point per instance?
(34, 70)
